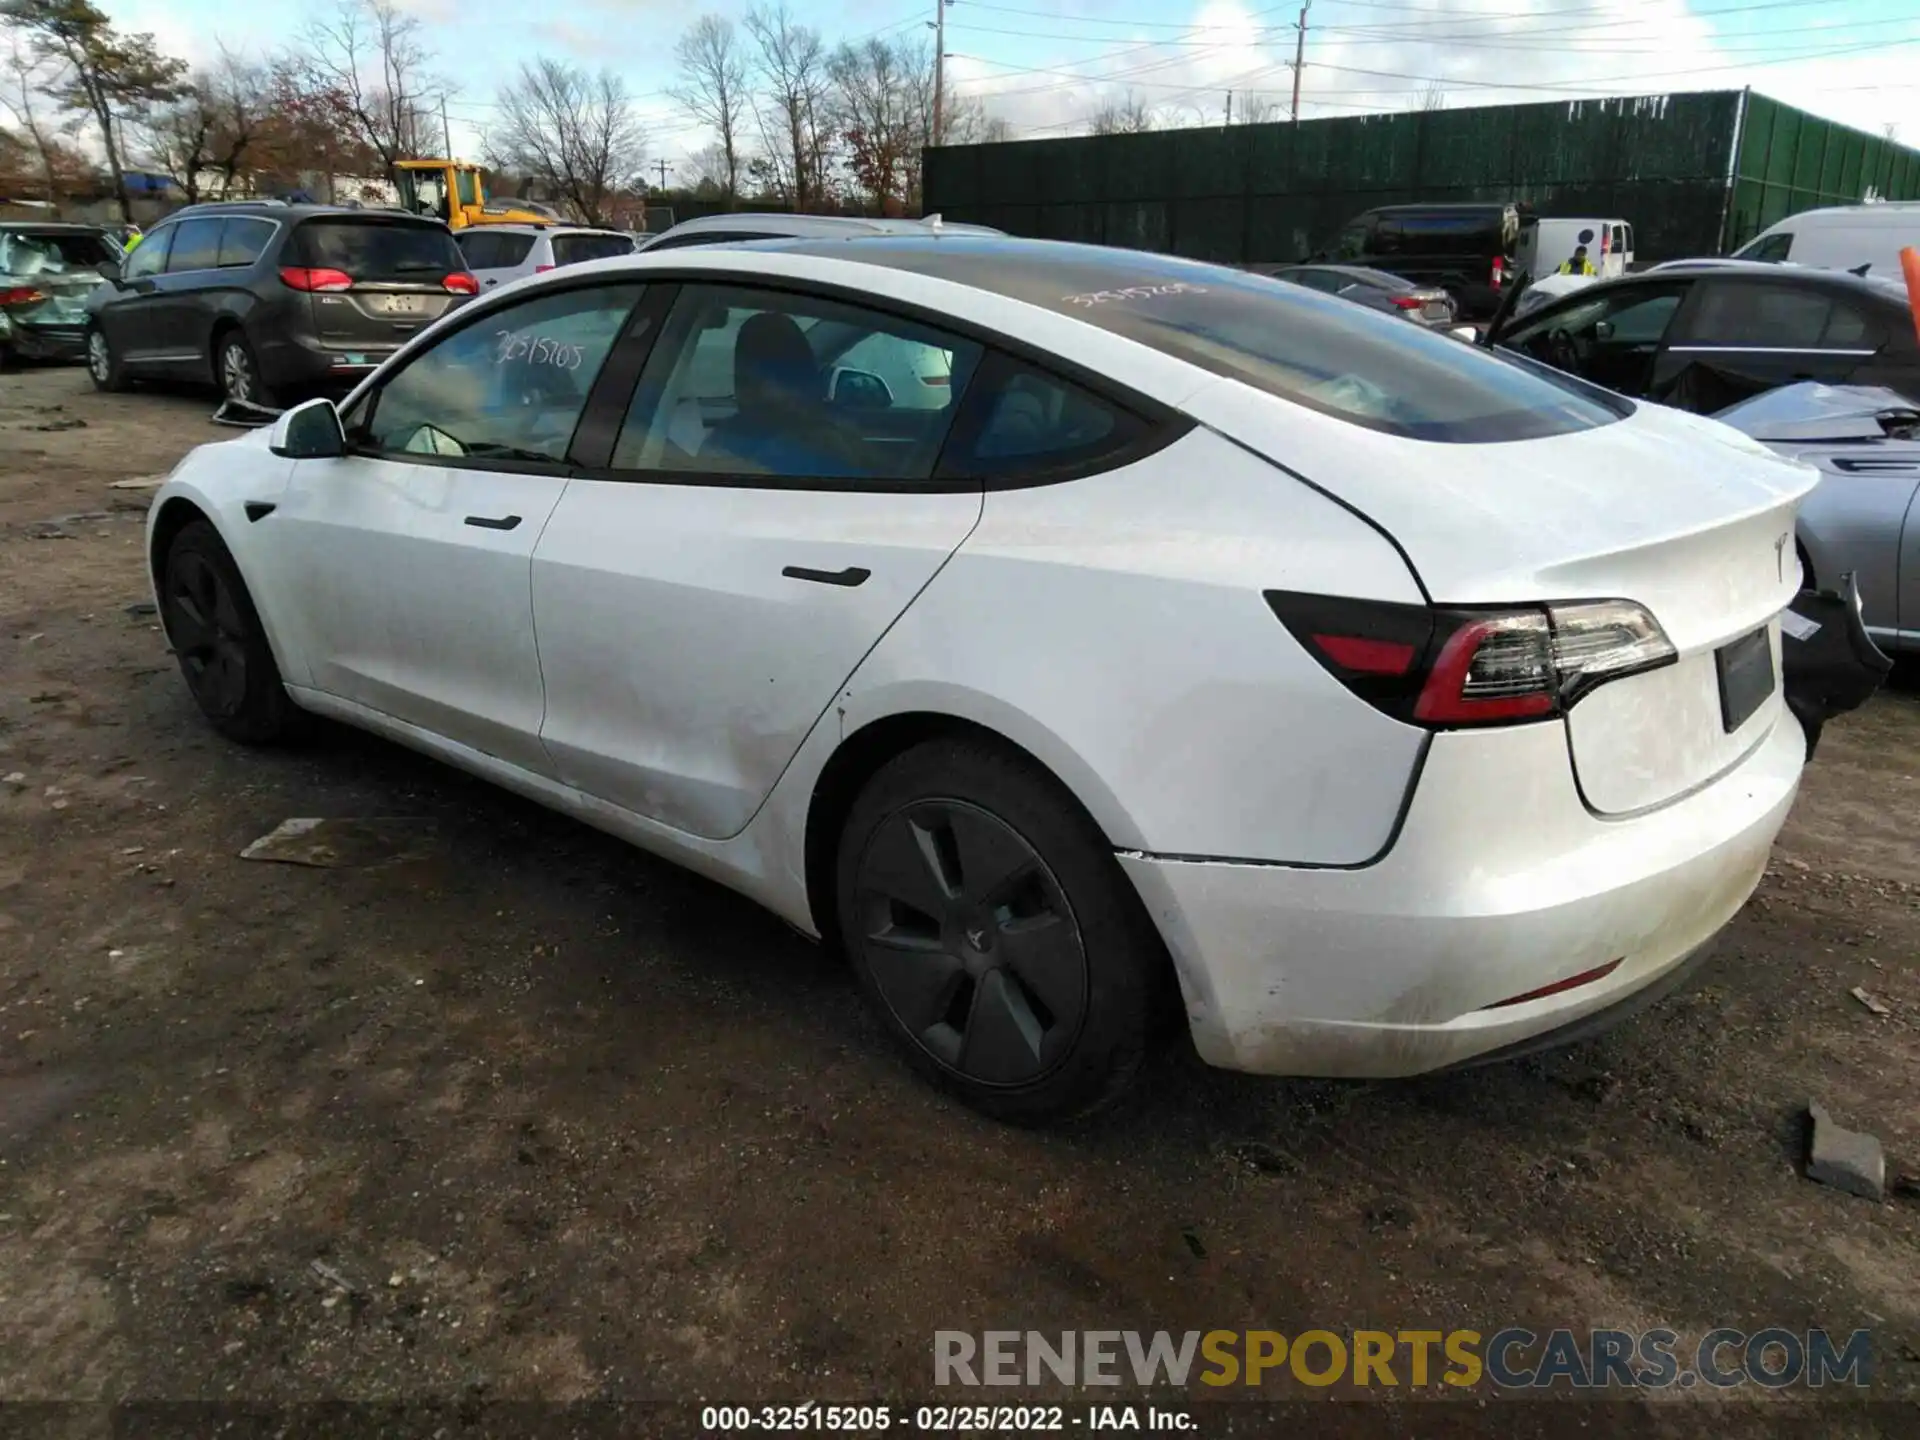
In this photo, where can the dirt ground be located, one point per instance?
(536, 1117)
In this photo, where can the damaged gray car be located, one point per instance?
(46, 273)
(1864, 518)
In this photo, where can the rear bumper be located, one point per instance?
(65, 341)
(292, 361)
(1501, 883)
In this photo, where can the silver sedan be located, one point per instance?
(1865, 515)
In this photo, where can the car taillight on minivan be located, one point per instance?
(297, 277)
(460, 283)
(1499, 272)
(1444, 666)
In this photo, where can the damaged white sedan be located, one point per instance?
(1076, 637)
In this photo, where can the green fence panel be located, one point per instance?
(1209, 163)
(1210, 228)
(1136, 224)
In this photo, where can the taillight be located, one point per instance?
(460, 283)
(1444, 667)
(1499, 271)
(1408, 302)
(541, 269)
(296, 277)
(22, 295)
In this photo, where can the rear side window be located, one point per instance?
(22, 252)
(1023, 421)
(379, 250)
(243, 240)
(1745, 314)
(196, 246)
(481, 249)
(573, 249)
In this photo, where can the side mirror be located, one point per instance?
(860, 390)
(109, 270)
(309, 432)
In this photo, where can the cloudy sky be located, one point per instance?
(1045, 64)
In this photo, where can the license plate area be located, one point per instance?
(1745, 668)
(398, 304)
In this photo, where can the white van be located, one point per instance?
(1843, 237)
(1546, 244)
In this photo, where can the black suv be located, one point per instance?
(1466, 249)
(269, 300)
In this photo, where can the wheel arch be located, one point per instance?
(174, 514)
(864, 751)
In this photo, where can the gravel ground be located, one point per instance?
(531, 1116)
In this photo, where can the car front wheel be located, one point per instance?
(995, 935)
(103, 364)
(218, 639)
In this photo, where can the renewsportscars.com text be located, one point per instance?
(1513, 1358)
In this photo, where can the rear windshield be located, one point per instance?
(379, 250)
(1362, 365)
(572, 249)
(22, 252)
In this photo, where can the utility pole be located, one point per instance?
(662, 167)
(939, 68)
(1299, 57)
(446, 129)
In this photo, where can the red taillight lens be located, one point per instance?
(296, 277)
(460, 283)
(22, 295)
(1442, 668)
(1499, 271)
(1572, 982)
(1408, 302)
(541, 269)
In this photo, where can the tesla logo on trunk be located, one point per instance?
(1780, 556)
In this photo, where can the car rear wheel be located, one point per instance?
(218, 639)
(994, 934)
(103, 364)
(239, 371)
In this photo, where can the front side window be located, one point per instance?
(1636, 316)
(195, 247)
(467, 187)
(150, 255)
(509, 386)
(757, 383)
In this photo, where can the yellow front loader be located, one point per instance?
(456, 192)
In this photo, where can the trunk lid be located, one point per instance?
(1679, 514)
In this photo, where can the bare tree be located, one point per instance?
(969, 123)
(885, 112)
(216, 128)
(713, 87)
(791, 108)
(24, 98)
(576, 132)
(1891, 130)
(1257, 110)
(370, 55)
(1432, 97)
(102, 73)
(1129, 115)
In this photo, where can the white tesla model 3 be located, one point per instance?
(1073, 635)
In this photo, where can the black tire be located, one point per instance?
(236, 370)
(103, 362)
(971, 970)
(217, 637)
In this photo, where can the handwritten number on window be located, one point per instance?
(537, 350)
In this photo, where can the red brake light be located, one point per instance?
(1499, 271)
(541, 269)
(1442, 668)
(296, 277)
(22, 295)
(460, 283)
(1408, 302)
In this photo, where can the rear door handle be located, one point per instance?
(490, 522)
(851, 576)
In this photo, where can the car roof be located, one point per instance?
(276, 209)
(804, 225)
(51, 227)
(1762, 270)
